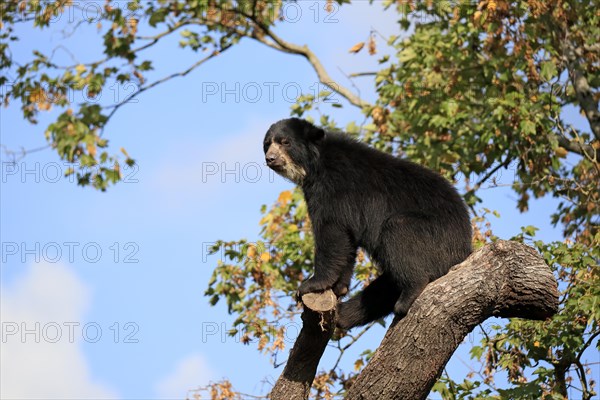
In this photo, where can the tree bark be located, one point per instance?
(503, 279)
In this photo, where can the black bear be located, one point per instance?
(410, 220)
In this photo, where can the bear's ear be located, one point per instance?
(304, 129)
(313, 133)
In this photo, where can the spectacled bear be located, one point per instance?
(411, 222)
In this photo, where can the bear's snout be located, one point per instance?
(273, 159)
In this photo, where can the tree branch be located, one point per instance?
(198, 63)
(282, 45)
(503, 279)
(583, 92)
(585, 150)
(299, 372)
(320, 70)
(575, 146)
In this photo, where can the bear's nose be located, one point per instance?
(271, 158)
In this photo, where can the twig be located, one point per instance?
(282, 45)
(347, 346)
(115, 107)
(12, 154)
(581, 86)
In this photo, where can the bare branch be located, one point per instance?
(583, 92)
(358, 74)
(14, 155)
(279, 44)
(490, 173)
(115, 107)
(323, 75)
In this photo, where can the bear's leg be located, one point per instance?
(409, 255)
(376, 301)
(335, 255)
(407, 297)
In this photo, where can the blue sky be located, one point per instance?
(129, 262)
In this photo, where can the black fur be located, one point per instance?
(410, 220)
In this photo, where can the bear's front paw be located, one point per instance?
(340, 289)
(312, 285)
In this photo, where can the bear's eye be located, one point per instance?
(285, 142)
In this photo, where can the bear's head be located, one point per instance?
(291, 148)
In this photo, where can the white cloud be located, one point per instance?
(42, 300)
(189, 374)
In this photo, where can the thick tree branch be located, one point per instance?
(503, 279)
(299, 372)
(583, 92)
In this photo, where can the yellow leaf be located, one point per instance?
(372, 45)
(266, 219)
(80, 68)
(139, 76)
(358, 364)
(357, 47)
(44, 106)
(329, 6)
(536, 343)
(284, 197)
(449, 157)
(265, 257)
(36, 95)
(40, 97)
(251, 253)
(91, 149)
(560, 152)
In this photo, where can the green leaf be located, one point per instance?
(407, 55)
(548, 70)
